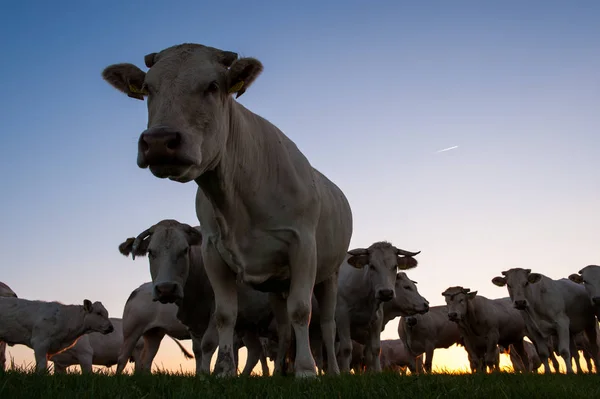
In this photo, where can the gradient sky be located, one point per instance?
(369, 91)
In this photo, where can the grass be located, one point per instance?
(26, 384)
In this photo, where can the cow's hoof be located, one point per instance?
(306, 374)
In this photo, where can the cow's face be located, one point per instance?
(518, 281)
(383, 261)
(96, 318)
(408, 301)
(457, 299)
(168, 245)
(188, 88)
(589, 276)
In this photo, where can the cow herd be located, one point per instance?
(269, 267)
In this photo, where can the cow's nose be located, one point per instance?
(521, 304)
(159, 142)
(385, 295)
(452, 316)
(426, 306)
(109, 329)
(166, 291)
(596, 300)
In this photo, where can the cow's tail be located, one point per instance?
(186, 354)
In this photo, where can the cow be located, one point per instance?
(551, 307)
(426, 332)
(484, 324)
(407, 301)
(49, 327)
(589, 276)
(152, 320)
(5, 291)
(396, 357)
(268, 217)
(517, 362)
(179, 276)
(367, 280)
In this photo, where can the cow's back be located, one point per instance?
(20, 318)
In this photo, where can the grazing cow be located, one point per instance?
(367, 280)
(152, 320)
(517, 362)
(179, 276)
(589, 276)
(427, 332)
(407, 302)
(551, 307)
(483, 324)
(5, 291)
(268, 217)
(49, 327)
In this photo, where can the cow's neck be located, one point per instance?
(197, 290)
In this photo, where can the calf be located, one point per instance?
(5, 291)
(366, 280)
(551, 307)
(179, 276)
(484, 323)
(152, 320)
(49, 327)
(427, 332)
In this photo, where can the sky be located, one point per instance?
(369, 91)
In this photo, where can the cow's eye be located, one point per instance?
(213, 87)
(526, 283)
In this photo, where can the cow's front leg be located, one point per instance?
(492, 356)
(326, 294)
(373, 345)
(284, 332)
(564, 341)
(197, 348)
(303, 269)
(223, 282)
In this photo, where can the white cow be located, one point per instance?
(589, 276)
(483, 324)
(551, 307)
(268, 217)
(426, 332)
(179, 276)
(49, 327)
(367, 280)
(150, 320)
(407, 301)
(5, 291)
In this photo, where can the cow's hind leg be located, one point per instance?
(519, 348)
(152, 340)
(592, 335)
(326, 294)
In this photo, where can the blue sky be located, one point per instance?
(369, 91)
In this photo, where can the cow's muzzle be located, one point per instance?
(109, 329)
(453, 316)
(167, 292)
(385, 295)
(521, 304)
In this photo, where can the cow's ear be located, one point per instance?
(358, 261)
(87, 305)
(499, 281)
(242, 74)
(576, 278)
(472, 294)
(126, 78)
(534, 277)
(126, 247)
(406, 262)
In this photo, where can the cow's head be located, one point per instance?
(408, 301)
(383, 261)
(457, 299)
(589, 276)
(167, 244)
(188, 88)
(96, 318)
(518, 282)
(6, 291)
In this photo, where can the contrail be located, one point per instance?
(446, 149)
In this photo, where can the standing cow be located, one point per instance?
(268, 217)
(179, 276)
(551, 307)
(426, 332)
(49, 327)
(152, 320)
(484, 323)
(407, 301)
(5, 291)
(367, 280)
(589, 276)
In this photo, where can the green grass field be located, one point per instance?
(386, 385)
